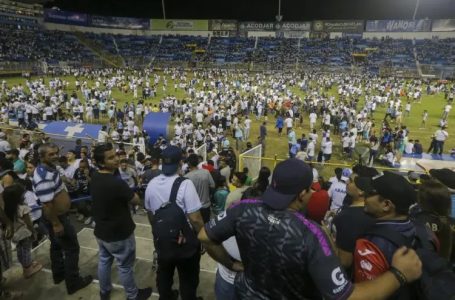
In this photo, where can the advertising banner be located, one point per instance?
(229, 25)
(257, 26)
(443, 25)
(120, 22)
(293, 26)
(398, 25)
(176, 25)
(339, 25)
(65, 17)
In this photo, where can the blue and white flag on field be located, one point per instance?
(72, 130)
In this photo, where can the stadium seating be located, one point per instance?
(436, 52)
(23, 40)
(181, 48)
(230, 50)
(39, 45)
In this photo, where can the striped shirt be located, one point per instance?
(47, 183)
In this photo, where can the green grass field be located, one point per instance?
(277, 146)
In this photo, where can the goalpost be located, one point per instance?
(252, 159)
(202, 151)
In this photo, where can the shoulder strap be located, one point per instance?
(175, 188)
(391, 235)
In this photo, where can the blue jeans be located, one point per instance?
(124, 253)
(223, 289)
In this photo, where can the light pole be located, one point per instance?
(416, 9)
(164, 9)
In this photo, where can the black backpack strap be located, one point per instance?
(175, 188)
(392, 236)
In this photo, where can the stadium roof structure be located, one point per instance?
(264, 10)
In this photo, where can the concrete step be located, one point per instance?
(41, 286)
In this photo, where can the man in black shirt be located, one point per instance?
(287, 256)
(114, 228)
(352, 221)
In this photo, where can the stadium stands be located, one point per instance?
(24, 40)
(35, 44)
(38, 45)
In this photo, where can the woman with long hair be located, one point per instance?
(259, 186)
(434, 207)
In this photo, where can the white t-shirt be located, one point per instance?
(441, 135)
(328, 147)
(313, 117)
(310, 148)
(408, 148)
(199, 117)
(288, 122)
(337, 192)
(233, 250)
(102, 136)
(247, 123)
(159, 190)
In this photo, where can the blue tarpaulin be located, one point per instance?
(65, 134)
(156, 124)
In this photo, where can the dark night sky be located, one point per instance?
(264, 10)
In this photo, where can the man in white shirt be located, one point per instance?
(103, 136)
(447, 109)
(310, 149)
(352, 140)
(157, 193)
(337, 191)
(247, 128)
(409, 147)
(440, 136)
(199, 118)
(313, 117)
(288, 122)
(407, 110)
(327, 149)
(178, 129)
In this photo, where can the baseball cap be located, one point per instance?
(445, 176)
(289, 178)
(171, 156)
(345, 174)
(390, 186)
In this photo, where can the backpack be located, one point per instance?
(437, 280)
(173, 236)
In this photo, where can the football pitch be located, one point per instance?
(277, 145)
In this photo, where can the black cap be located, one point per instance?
(171, 156)
(390, 186)
(445, 176)
(289, 179)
